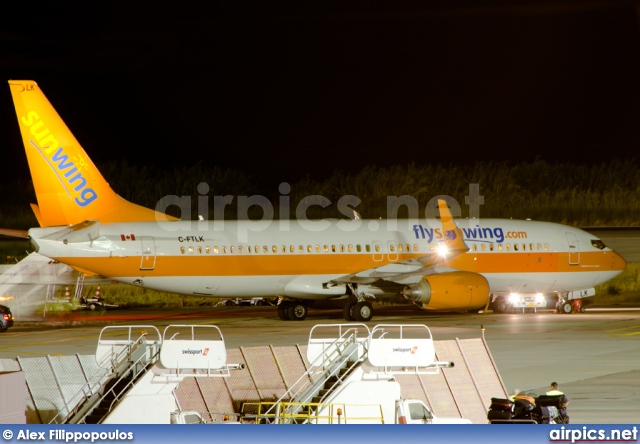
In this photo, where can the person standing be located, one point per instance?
(554, 391)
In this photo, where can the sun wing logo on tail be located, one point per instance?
(68, 172)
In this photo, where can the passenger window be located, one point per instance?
(358, 248)
(341, 248)
(207, 249)
(300, 248)
(531, 247)
(546, 247)
(191, 250)
(333, 248)
(408, 248)
(499, 247)
(399, 248)
(490, 247)
(274, 249)
(508, 247)
(326, 248)
(432, 247)
(377, 248)
(182, 250)
(350, 248)
(215, 249)
(240, 249)
(309, 249)
(317, 248)
(265, 249)
(233, 249)
(515, 247)
(367, 247)
(199, 250)
(257, 249)
(539, 247)
(224, 250)
(474, 247)
(415, 248)
(392, 248)
(483, 247)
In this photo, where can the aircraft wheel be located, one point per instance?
(347, 311)
(92, 306)
(3, 328)
(566, 308)
(362, 311)
(297, 311)
(229, 303)
(501, 306)
(282, 311)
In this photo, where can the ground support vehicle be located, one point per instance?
(6, 318)
(532, 409)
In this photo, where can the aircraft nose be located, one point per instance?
(618, 262)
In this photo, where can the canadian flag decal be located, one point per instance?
(126, 237)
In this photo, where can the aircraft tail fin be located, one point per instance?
(69, 188)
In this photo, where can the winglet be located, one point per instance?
(68, 186)
(453, 235)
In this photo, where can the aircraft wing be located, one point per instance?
(406, 271)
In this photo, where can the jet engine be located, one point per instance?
(455, 290)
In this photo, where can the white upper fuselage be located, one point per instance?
(298, 258)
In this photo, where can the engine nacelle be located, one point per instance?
(456, 290)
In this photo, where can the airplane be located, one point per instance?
(432, 263)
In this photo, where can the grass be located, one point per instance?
(624, 289)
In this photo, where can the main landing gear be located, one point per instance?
(292, 310)
(360, 311)
(354, 310)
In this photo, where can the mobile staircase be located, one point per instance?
(147, 369)
(356, 354)
(125, 355)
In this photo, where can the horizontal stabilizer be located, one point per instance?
(23, 234)
(82, 232)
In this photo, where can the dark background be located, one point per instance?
(287, 90)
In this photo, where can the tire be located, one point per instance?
(260, 303)
(566, 308)
(362, 311)
(3, 328)
(229, 303)
(501, 306)
(347, 311)
(297, 311)
(282, 311)
(92, 307)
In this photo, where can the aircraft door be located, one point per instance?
(148, 256)
(574, 249)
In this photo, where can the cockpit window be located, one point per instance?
(598, 244)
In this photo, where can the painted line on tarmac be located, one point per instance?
(632, 327)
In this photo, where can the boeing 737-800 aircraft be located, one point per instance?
(433, 263)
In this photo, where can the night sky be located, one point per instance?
(284, 90)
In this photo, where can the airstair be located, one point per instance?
(356, 354)
(331, 360)
(125, 353)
